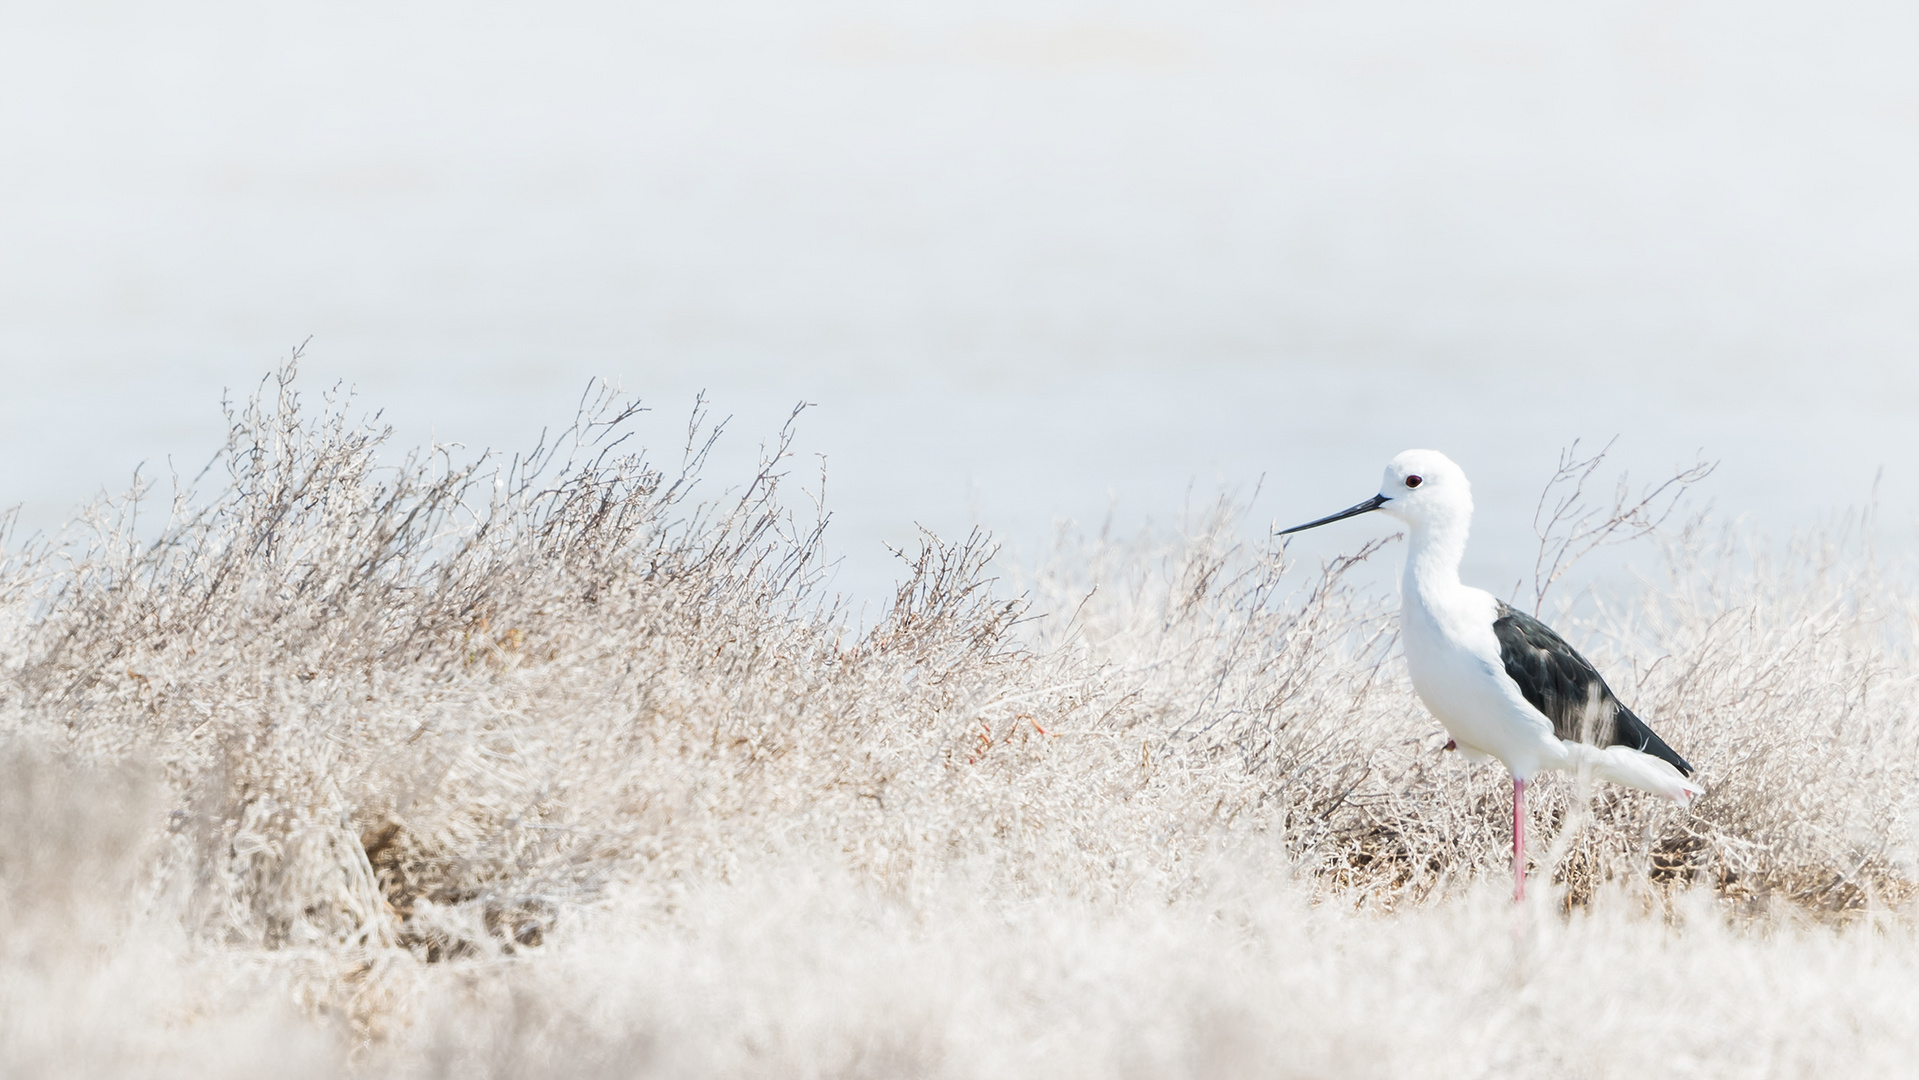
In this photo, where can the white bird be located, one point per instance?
(1500, 681)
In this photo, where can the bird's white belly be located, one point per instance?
(1462, 682)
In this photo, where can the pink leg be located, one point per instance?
(1519, 839)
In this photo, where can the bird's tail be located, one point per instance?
(1624, 765)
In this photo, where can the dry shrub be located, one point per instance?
(415, 726)
(97, 977)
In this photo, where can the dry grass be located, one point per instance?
(558, 766)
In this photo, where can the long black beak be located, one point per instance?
(1368, 506)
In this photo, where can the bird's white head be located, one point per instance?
(1425, 487)
(1422, 488)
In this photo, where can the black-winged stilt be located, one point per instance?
(1500, 681)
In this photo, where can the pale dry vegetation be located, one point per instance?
(565, 765)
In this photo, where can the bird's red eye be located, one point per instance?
(1414, 481)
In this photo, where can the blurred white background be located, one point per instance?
(1030, 260)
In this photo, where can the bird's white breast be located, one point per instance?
(1453, 657)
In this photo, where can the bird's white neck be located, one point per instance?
(1433, 553)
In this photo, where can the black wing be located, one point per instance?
(1560, 683)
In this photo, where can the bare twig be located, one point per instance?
(1569, 528)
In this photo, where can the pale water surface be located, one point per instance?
(1031, 261)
